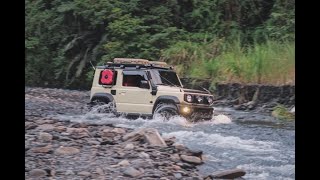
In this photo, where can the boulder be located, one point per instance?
(227, 174)
(78, 132)
(66, 151)
(144, 155)
(153, 137)
(124, 163)
(84, 173)
(37, 173)
(129, 146)
(135, 135)
(293, 110)
(150, 135)
(46, 127)
(45, 136)
(44, 149)
(118, 130)
(191, 159)
(132, 172)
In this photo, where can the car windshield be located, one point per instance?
(165, 77)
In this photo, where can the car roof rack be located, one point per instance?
(131, 63)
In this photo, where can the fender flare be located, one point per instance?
(169, 99)
(105, 96)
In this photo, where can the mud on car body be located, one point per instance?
(147, 88)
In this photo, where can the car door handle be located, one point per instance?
(122, 92)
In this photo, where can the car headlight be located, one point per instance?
(210, 100)
(199, 99)
(189, 98)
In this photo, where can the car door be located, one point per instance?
(131, 98)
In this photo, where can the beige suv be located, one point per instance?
(147, 88)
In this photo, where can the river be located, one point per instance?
(261, 145)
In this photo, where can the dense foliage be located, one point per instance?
(63, 36)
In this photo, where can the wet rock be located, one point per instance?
(118, 130)
(93, 142)
(144, 155)
(66, 151)
(45, 136)
(195, 178)
(78, 132)
(176, 167)
(191, 159)
(239, 107)
(129, 146)
(177, 175)
(197, 153)
(133, 136)
(251, 105)
(107, 133)
(175, 157)
(42, 121)
(132, 172)
(179, 146)
(124, 163)
(37, 173)
(84, 173)
(69, 172)
(46, 127)
(59, 128)
(44, 149)
(30, 125)
(65, 134)
(108, 142)
(99, 171)
(293, 110)
(227, 174)
(164, 178)
(153, 137)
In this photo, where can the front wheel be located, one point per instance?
(165, 111)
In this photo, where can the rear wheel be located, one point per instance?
(165, 111)
(102, 106)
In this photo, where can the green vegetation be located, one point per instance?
(269, 63)
(281, 113)
(224, 40)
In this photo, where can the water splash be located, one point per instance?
(285, 172)
(221, 119)
(217, 140)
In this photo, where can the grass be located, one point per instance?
(281, 113)
(268, 63)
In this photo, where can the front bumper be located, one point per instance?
(195, 112)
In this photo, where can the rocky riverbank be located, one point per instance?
(56, 149)
(249, 97)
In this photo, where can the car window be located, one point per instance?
(133, 78)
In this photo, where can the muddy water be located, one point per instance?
(259, 144)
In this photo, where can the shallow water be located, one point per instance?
(257, 143)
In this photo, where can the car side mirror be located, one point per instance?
(144, 84)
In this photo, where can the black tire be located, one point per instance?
(166, 111)
(102, 106)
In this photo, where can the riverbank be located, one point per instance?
(64, 149)
(246, 97)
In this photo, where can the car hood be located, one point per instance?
(179, 89)
(169, 88)
(195, 91)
